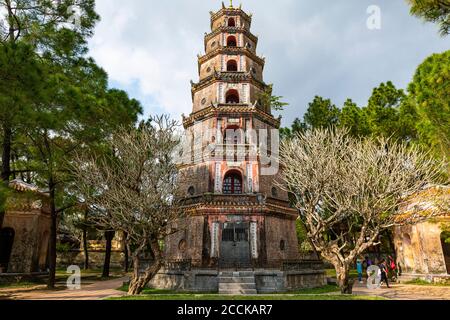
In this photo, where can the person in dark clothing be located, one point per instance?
(367, 262)
(384, 272)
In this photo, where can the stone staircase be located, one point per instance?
(237, 283)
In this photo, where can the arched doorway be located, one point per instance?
(232, 66)
(231, 41)
(232, 183)
(6, 245)
(232, 96)
(445, 241)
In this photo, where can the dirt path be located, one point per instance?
(405, 292)
(95, 291)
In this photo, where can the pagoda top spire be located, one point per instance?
(231, 5)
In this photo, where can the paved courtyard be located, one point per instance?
(95, 291)
(405, 292)
(107, 289)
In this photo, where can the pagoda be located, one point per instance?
(235, 214)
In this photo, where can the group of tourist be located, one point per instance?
(388, 269)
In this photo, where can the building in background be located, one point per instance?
(423, 250)
(25, 234)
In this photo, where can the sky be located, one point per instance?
(312, 47)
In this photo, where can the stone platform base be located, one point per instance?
(431, 278)
(267, 281)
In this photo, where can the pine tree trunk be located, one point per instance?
(53, 235)
(7, 130)
(6, 163)
(109, 235)
(85, 242)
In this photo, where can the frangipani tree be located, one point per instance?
(134, 191)
(352, 189)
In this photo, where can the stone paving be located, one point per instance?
(405, 292)
(95, 291)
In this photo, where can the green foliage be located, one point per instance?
(430, 92)
(267, 99)
(389, 113)
(64, 34)
(321, 114)
(436, 11)
(421, 282)
(354, 118)
(4, 193)
(297, 127)
(382, 111)
(445, 236)
(63, 247)
(54, 101)
(302, 237)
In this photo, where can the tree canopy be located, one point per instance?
(436, 11)
(430, 92)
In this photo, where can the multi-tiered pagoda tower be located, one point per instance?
(237, 215)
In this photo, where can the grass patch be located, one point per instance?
(331, 273)
(90, 275)
(20, 284)
(198, 297)
(312, 291)
(150, 291)
(320, 290)
(420, 282)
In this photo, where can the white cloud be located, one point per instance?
(312, 47)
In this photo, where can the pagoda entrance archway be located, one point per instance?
(235, 245)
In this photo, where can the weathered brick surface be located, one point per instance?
(278, 230)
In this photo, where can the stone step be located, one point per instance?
(241, 282)
(239, 292)
(237, 279)
(237, 286)
(237, 274)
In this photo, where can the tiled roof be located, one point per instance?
(21, 186)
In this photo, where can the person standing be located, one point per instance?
(393, 268)
(359, 269)
(384, 272)
(368, 262)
